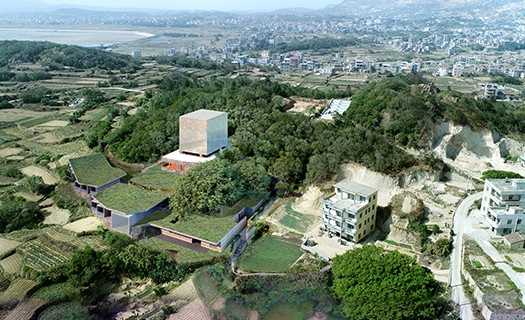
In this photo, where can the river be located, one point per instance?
(81, 37)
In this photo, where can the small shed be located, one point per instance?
(514, 240)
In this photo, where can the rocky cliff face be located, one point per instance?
(474, 151)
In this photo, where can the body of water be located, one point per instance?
(75, 37)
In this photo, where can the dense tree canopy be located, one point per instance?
(57, 56)
(207, 186)
(375, 284)
(18, 213)
(500, 174)
(290, 146)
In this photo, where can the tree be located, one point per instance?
(208, 186)
(500, 174)
(376, 284)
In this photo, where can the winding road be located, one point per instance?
(456, 260)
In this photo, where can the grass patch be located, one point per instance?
(290, 311)
(56, 292)
(206, 287)
(296, 220)
(243, 203)
(156, 179)
(68, 310)
(211, 228)
(476, 264)
(37, 121)
(269, 254)
(95, 170)
(128, 198)
(397, 244)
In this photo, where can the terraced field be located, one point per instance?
(67, 310)
(25, 310)
(11, 264)
(7, 246)
(56, 216)
(208, 291)
(195, 310)
(17, 291)
(56, 292)
(23, 235)
(84, 225)
(40, 255)
(48, 177)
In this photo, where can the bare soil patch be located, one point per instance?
(11, 264)
(56, 216)
(10, 152)
(195, 310)
(48, 178)
(54, 123)
(84, 225)
(7, 245)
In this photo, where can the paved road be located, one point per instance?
(482, 237)
(456, 259)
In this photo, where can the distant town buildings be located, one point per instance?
(503, 205)
(490, 90)
(351, 213)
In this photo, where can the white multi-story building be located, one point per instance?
(503, 205)
(351, 213)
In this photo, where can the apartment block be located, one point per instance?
(503, 205)
(350, 213)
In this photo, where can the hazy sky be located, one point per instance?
(223, 5)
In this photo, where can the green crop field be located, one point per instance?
(41, 255)
(37, 121)
(67, 310)
(23, 235)
(56, 292)
(156, 179)
(128, 198)
(17, 291)
(94, 169)
(269, 254)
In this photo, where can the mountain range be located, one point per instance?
(364, 8)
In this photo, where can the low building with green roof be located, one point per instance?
(127, 205)
(93, 173)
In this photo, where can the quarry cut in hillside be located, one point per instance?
(473, 152)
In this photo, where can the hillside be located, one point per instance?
(54, 56)
(385, 120)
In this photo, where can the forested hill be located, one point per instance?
(394, 112)
(406, 110)
(56, 56)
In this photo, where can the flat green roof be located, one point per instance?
(156, 179)
(204, 227)
(127, 199)
(95, 170)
